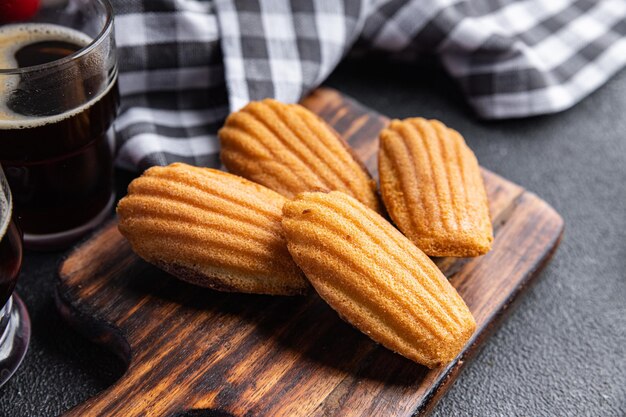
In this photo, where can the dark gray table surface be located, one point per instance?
(562, 352)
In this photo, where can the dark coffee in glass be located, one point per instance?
(58, 100)
(14, 321)
(10, 252)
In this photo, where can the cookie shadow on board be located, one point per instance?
(163, 287)
(302, 324)
(323, 339)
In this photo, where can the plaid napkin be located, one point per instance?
(184, 64)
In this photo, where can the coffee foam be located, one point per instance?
(12, 39)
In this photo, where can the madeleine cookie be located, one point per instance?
(291, 150)
(375, 278)
(210, 228)
(432, 188)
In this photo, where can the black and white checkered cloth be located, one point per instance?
(184, 64)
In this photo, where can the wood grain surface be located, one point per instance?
(196, 352)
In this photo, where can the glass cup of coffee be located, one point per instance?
(14, 321)
(58, 100)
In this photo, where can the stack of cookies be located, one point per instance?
(299, 210)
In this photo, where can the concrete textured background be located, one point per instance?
(561, 352)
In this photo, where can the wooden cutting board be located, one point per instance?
(196, 352)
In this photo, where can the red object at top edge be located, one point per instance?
(17, 10)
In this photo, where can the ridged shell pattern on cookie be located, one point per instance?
(432, 188)
(287, 148)
(210, 228)
(375, 278)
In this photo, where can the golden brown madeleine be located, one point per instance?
(433, 189)
(210, 228)
(375, 278)
(291, 150)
